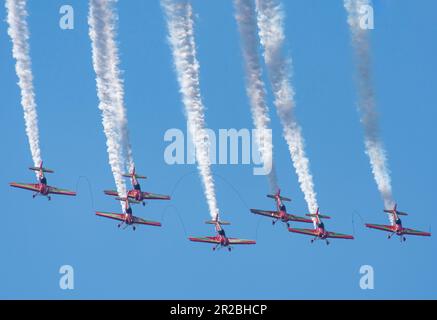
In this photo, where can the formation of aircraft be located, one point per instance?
(41, 187)
(136, 196)
(220, 239)
(281, 211)
(319, 232)
(396, 227)
(136, 193)
(127, 218)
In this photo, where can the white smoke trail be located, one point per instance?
(101, 20)
(374, 147)
(116, 81)
(181, 38)
(19, 33)
(246, 19)
(271, 32)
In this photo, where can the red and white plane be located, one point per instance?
(127, 218)
(396, 227)
(42, 188)
(220, 240)
(281, 211)
(136, 193)
(319, 231)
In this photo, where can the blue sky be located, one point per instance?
(38, 237)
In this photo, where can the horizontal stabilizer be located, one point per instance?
(313, 215)
(223, 223)
(127, 199)
(129, 175)
(399, 213)
(280, 197)
(41, 169)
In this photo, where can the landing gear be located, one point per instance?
(312, 240)
(119, 225)
(273, 222)
(327, 242)
(288, 225)
(134, 228)
(33, 196)
(389, 236)
(229, 249)
(404, 239)
(144, 203)
(50, 198)
(213, 248)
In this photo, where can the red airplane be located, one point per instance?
(42, 188)
(136, 193)
(396, 227)
(319, 231)
(220, 240)
(281, 211)
(127, 218)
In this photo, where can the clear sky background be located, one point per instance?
(37, 237)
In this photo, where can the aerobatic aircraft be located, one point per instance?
(136, 193)
(396, 227)
(42, 188)
(220, 240)
(319, 231)
(281, 211)
(127, 218)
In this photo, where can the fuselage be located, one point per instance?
(398, 227)
(42, 185)
(321, 231)
(221, 235)
(281, 209)
(128, 217)
(136, 192)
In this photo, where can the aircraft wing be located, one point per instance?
(241, 241)
(267, 213)
(335, 235)
(204, 239)
(382, 227)
(63, 192)
(115, 216)
(138, 220)
(309, 232)
(26, 186)
(292, 217)
(111, 193)
(154, 196)
(416, 232)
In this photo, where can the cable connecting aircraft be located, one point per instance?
(220, 240)
(136, 193)
(42, 188)
(396, 227)
(127, 218)
(281, 211)
(319, 231)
